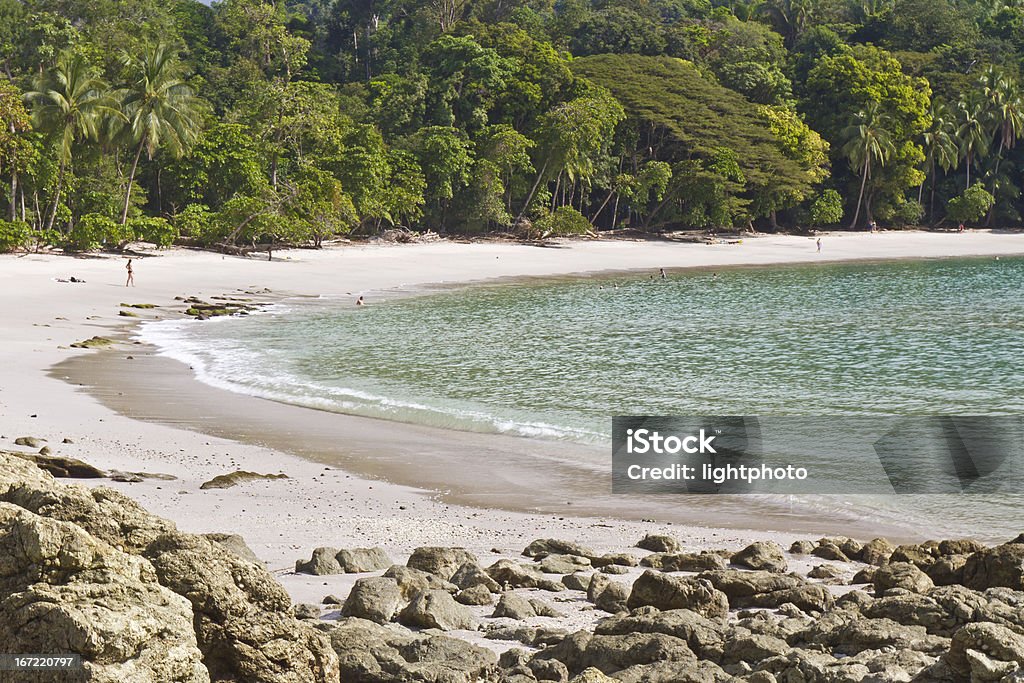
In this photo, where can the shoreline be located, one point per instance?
(306, 511)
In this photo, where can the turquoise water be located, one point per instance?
(557, 359)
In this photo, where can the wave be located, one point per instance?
(223, 364)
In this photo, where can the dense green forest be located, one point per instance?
(254, 121)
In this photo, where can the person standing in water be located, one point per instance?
(663, 276)
(131, 274)
(360, 302)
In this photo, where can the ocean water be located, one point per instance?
(556, 359)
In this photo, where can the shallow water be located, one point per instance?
(557, 359)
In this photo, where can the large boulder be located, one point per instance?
(672, 592)
(509, 574)
(412, 581)
(973, 644)
(876, 551)
(234, 544)
(564, 564)
(242, 618)
(659, 543)
(375, 598)
(1002, 565)
(704, 636)
(901, 575)
(614, 653)
(762, 555)
(362, 560)
(442, 562)
(370, 653)
(437, 609)
(323, 562)
(543, 547)
(65, 592)
(471, 574)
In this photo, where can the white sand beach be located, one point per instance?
(283, 520)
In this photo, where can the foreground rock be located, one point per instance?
(226, 481)
(89, 572)
(60, 467)
(326, 561)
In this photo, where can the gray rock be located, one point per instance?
(477, 595)
(850, 635)
(876, 551)
(370, 653)
(671, 592)
(865, 575)
(901, 575)
(363, 560)
(235, 545)
(323, 562)
(692, 562)
(375, 599)
(514, 606)
(612, 654)
(543, 547)
(1002, 565)
(613, 598)
(577, 581)
(514, 575)
(67, 592)
(947, 570)
(232, 479)
(761, 555)
(412, 581)
(471, 574)
(592, 675)
(704, 636)
(563, 564)
(332, 599)
(962, 546)
(60, 467)
(802, 547)
(659, 543)
(442, 562)
(998, 643)
(436, 609)
(766, 589)
(753, 648)
(825, 571)
(549, 670)
(614, 569)
(306, 611)
(622, 559)
(830, 551)
(29, 442)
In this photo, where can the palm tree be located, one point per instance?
(69, 102)
(868, 143)
(788, 17)
(1006, 107)
(160, 109)
(940, 147)
(973, 132)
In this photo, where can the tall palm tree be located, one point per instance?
(868, 144)
(160, 109)
(788, 17)
(1006, 107)
(973, 132)
(940, 148)
(69, 102)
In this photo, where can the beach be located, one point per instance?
(124, 408)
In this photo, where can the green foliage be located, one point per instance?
(563, 221)
(195, 221)
(971, 206)
(156, 230)
(827, 208)
(14, 235)
(94, 231)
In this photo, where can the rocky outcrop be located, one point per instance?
(326, 561)
(442, 562)
(1002, 565)
(659, 543)
(671, 592)
(226, 481)
(436, 609)
(765, 555)
(375, 599)
(101, 577)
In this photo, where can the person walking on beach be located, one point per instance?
(819, 245)
(131, 274)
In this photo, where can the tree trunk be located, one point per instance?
(13, 212)
(533, 191)
(603, 205)
(56, 195)
(860, 197)
(131, 181)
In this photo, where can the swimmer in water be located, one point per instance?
(360, 302)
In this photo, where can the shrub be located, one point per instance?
(155, 230)
(14, 235)
(564, 220)
(827, 208)
(197, 222)
(971, 206)
(93, 231)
